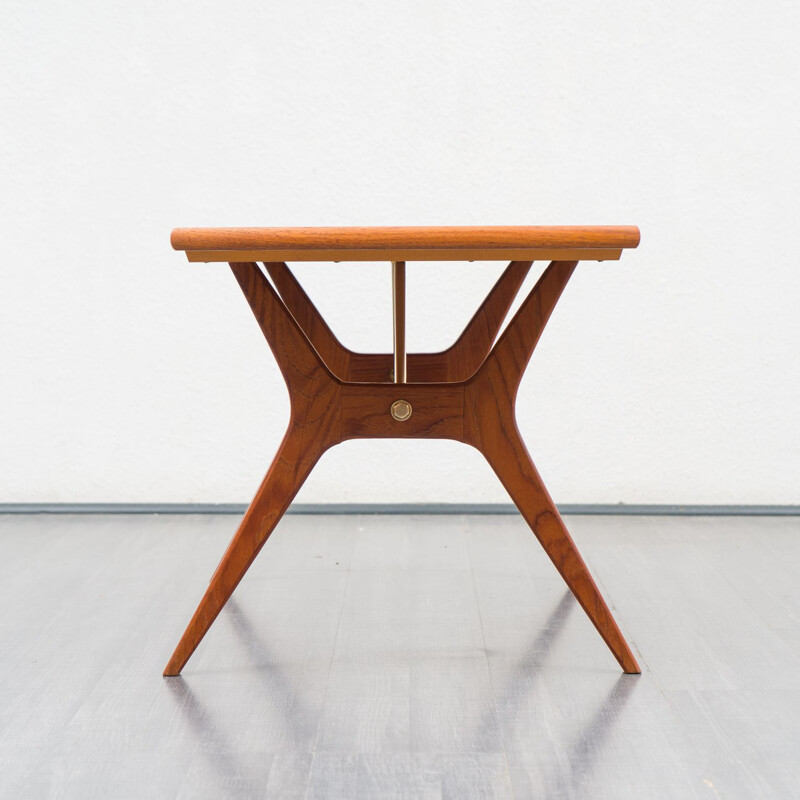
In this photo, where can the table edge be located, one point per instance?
(483, 238)
(409, 254)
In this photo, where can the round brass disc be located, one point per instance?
(401, 410)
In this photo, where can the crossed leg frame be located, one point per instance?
(466, 393)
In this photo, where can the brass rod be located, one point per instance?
(399, 313)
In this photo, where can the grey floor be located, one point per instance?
(390, 656)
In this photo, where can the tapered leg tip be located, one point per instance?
(172, 670)
(631, 667)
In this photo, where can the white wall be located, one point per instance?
(128, 374)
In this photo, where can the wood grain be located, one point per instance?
(458, 362)
(314, 426)
(438, 411)
(486, 237)
(474, 344)
(335, 355)
(490, 426)
(472, 401)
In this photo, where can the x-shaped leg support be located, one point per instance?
(466, 393)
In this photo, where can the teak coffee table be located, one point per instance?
(466, 392)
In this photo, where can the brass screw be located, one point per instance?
(401, 410)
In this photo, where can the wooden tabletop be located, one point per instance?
(433, 243)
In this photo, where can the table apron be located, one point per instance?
(437, 411)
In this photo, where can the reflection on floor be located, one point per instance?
(390, 656)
